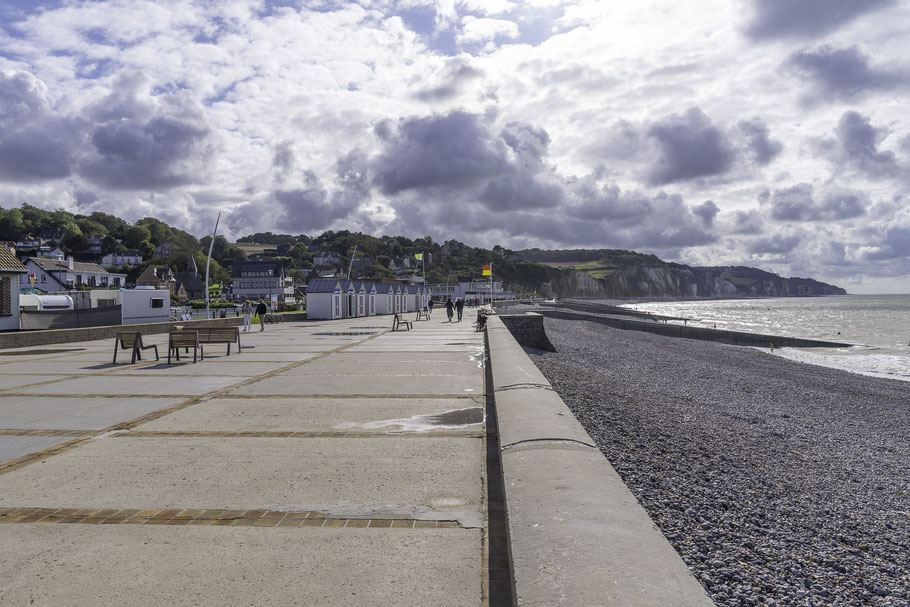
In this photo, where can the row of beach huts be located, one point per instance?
(329, 299)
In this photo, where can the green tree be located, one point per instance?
(12, 224)
(136, 235)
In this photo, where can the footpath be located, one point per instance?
(329, 463)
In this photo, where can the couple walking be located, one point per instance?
(261, 310)
(453, 307)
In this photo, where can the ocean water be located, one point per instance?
(877, 325)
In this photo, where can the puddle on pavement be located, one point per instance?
(424, 423)
(42, 351)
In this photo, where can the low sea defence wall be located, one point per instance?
(23, 339)
(577, 535)
(528, 330)
(736, 338)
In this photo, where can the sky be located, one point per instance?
(768, 133)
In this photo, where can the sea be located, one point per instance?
(877, 326)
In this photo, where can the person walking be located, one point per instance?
(261, 310)
(431, 305)
(450, 308)
(459, 307)
(247, 310)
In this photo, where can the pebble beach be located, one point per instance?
(779, 483)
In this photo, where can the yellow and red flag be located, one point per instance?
(488, 270)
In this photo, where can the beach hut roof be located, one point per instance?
(322, 286)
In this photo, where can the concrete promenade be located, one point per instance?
(329, 463)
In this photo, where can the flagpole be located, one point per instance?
(491, 286)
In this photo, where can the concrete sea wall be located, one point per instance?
(577, 535)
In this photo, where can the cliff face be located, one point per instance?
(678, 281)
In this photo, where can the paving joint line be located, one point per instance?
(20, 462)
(215, 517)
(294, 434)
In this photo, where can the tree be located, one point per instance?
(89, 227)
(12, 224)
(136, 235)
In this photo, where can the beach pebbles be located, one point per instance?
(778, 483)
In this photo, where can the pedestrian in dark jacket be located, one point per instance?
(450, 308)
(459, 307)
(261, 310)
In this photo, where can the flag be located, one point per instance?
(488, 270)
(418, 256)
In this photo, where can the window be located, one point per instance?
(157, 302)
(6, 296)
(44, 278)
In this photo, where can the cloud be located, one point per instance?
(449, 80)
(454, 150)
(758, 143)
(145, 141)
(476, 30)
(690, 146)
(35, 143)
(841, 74)
(706, 211)
(806, 18)
(854, 148)
(798, 203)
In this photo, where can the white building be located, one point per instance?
(333, 299)
(57, 275)
(10, 271)
(141, 305)
(131, 258)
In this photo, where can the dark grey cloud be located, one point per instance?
(455, 150)
(806, 18)
(690, 146)
(706, 211)
(687, 147)
(841, 74)
(758, 142)
(284, 159)
(894, 245)
(778, 244)
(797, 203)
(854, 148)
(35, 143)
(747, 222)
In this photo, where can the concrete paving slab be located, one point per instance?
(329, 365)
(12, 447)
(113, 384)
(20, 381)
(403, 383)
(238, 366)
(63, 565)
(29, 412)
(347, 356)
(308, 414)
(266, 356)
(405, 347)
(57, 366)
(391, 477)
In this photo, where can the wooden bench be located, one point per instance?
(423, 314)
(186, 340)
(132, 341)
(399, 322)
(220, 335)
